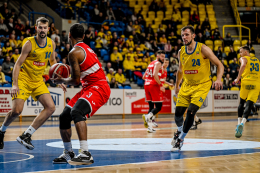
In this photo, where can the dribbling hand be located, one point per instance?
(218, 85)
(58, 79)
(15, 91)
(162, 89)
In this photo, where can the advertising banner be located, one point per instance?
(5, 100)
(225, 101)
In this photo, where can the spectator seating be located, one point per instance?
(8, 79)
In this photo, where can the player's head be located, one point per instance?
(161, 56)
(187, 35)
(76, 32)
(42, 27)
(166, 63)
(244, 51)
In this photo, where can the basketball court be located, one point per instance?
(124, 146)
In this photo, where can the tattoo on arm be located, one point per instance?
(73, 60)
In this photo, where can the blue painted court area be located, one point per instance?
(15, 158)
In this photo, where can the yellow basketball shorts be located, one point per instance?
(249, 90)
(195, 94)
(28, 88)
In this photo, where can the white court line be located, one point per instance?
(30, 157)
(135, 163)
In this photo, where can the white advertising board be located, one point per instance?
(5, 100)
(225, 101)
(132, 99)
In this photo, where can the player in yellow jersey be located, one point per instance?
(194, 68)
(250, 86)
(28, 81)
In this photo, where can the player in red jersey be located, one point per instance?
(153, 89)
(85, 68)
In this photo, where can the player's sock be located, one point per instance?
(67, 146)
(30, 130)
(83, 145)
(182, 135)
(243, 120)
(180, 128)
(194, 123)
(3, 128)
(239, 120)
(196, 118)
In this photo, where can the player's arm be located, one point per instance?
(144, 74)
(207, 52)
(179, 75)
(52, 58)
(243, 62)
(26, 49)
(75, 69)
(156, 77)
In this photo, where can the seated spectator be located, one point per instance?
(168, 48)
(3, 28)
(66, 51)
(116, 59)
(231, 55)
(55, 34)
(176, 16)
(6, 15)
(131, 54)
(121, 40)
(130, 41)
(179, 44)
(69, 11)
(7, 66)
(89, 36)
(213, 70)
(13, 15)
(20, 42)
(100, 18)
(6, 49)
(135, 37)
(137, 28)
(63, 38)
(114, 38)
(161, 5)
(16, 55)
(101, 32)
(13, 42)
(163, 40)
(225, 67)
(228, 41)
(52, 28)
(129, 28)
(104, 42)
(108, 66)
(200, 38)
(27, 34)
(153, 6)
(154, 46)
(144, 64)
(138, 68)
(120, 14)
(149, 30)
(206, 25)
(149, 46)
(139, 54)
(110, 14)
(10, 26)
(172, 38)
(96, 10)
(113, 83)
(111, 74)
(198, 30)
(3, 7)
(129, 67)
(207, 34)
(174, 66)
(120, 77)
(2, 77)
(218, 53)
(19, 28)
(227, 81)
(216, 35)
(233, 68)
(109, 37)
(98, 45)
(160, 30)
(194, 18)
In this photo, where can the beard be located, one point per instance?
(42, 35)
(188, 43)
(159, 59)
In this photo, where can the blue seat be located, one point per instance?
(1, 61)
(120, 87)
(106, 58)
(2, 45)
(140, 82)
(7, 85)
(127, 87)
(103, 52)
(92, 45)
(112, 29)
(8, 79)
(151, 53)
(18, 37)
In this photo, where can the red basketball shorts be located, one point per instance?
(96, 95)
(153, 93)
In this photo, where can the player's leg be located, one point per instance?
(78, 114)
(49, 108)
(17, 109)
(148, 98)
(65, 132)
(156, 110)
(196, 122)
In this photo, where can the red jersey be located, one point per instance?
(163, 76)
(149, 78)
(90, 68)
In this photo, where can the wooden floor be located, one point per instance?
(245, 159)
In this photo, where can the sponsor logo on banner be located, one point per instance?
(225, 96)
(226, 101)
(113, 101)
(130, 94)
(4, 91)
(5, 101)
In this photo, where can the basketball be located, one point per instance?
(60, 69)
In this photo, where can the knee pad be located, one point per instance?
(80, 110)
(65, 119)
(77, 115)
(193, 109)
(249, 105)
(179, 115)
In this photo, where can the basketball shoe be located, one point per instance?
(194, 126)
(2, 135)
(153, 122)
(239, 130)
(25, 140)
(83, 158)
(177, 145)
(145, 123)
(176, 136)
(64, 157)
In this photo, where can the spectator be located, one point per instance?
(27, 34)
(8, 66)
(16, 55)
(249, 44)
(194, 18)
(100, 18)
(233, 68)
(149, 46)
(121, 40)
(130, 41)
(69, 11)
(129, 28)
(137, 27)
(135, 38)
(225, 67)
(175, 50)
(20, 42)
(96, 10)
(207, 34)
(98, 46)
(149, 30)
(213, 70)
(111, 74)
(109, 37)
(134, 17)
(161, 5)
(206, 25)
(89, 36)
(3, 28)
(198, 30)
(144, 64)
(101, 32)
(10, 25)
(160, 30)
(153, 6)
(19, 27)
(66, 51)
(172, 38)
(216, 35)
(163, 40)
(27, 26)
(227, 81)
(231, 55)
(2, 77)
(155, 47)
(139, 54)
(108, 66)
(114, 38)
(120, 14)
(104, 41)
(13, 42)
(6, 15)
(113, 83)
(174, 66)
(116, 59)
(110, 14)
(55, 34)
(3, 7)
(6, 49)
(218, 53)
(13, 15)
(228, 41)
(64, 38)
(176, 16)
(52, 28)
(168, 47)
(179, 44)
(129, 67)
(200, 38)
(137, 64)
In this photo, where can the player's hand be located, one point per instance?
(162, 89)
(177, 89)
(63, 87)
(218, 85)
(170, 84)
(14, 91)
(236, 80)
(58, 79)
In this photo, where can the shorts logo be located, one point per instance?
(39, 63)
(201, 100)
(250, 87)
(191, 71)
(93, 103)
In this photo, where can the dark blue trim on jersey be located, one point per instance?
(192, 51)
(38, 44)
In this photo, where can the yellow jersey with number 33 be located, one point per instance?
(34, 65)
(196, 69)
(251, 71)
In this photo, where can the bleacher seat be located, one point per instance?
(227, 50)
(106, 58)
(120, 87)
(140, 82)
(103, 52)
(244, 42)
(209, 43)
(7, 85)
(1, 61)
(127, 87)
(92, 45)
(234, 89)
(236, 43)
(8, 79)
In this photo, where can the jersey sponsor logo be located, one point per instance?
(250, 87)
(90, 50)
(49, 46)
(38, 63)
(191, 71)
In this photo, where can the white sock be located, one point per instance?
(194, 123)
(150, 115)
(243, 120)
(67, 146)
(182, 135)
(196, 118)
(180, 128)
(30, 130)
(83, 145)
(239, 120)
(3, 128)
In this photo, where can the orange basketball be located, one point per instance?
(60, 69)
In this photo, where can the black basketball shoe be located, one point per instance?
(2, 135)
(177, 145)
(64, 157)
(176, 136)
(194, 127)
(198, 122)
(84, 158)
(25, 140)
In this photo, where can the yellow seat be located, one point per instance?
(160, 14)
(209, 43)
(148, 23)
(212, 19)
(214, 78)
(244, 42)
(214, 26)
(218, 43)
(211, 13)
(157, 21)
(184, 13)
(131, 3)
(234, 89)
(236, 43)
(216, 48)
(209, 6)
(236, 48)
(252, 55)
(145, 8)
(177, 5)
(169, 8)
(226, 63)
(151, 14)
(227, 50)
